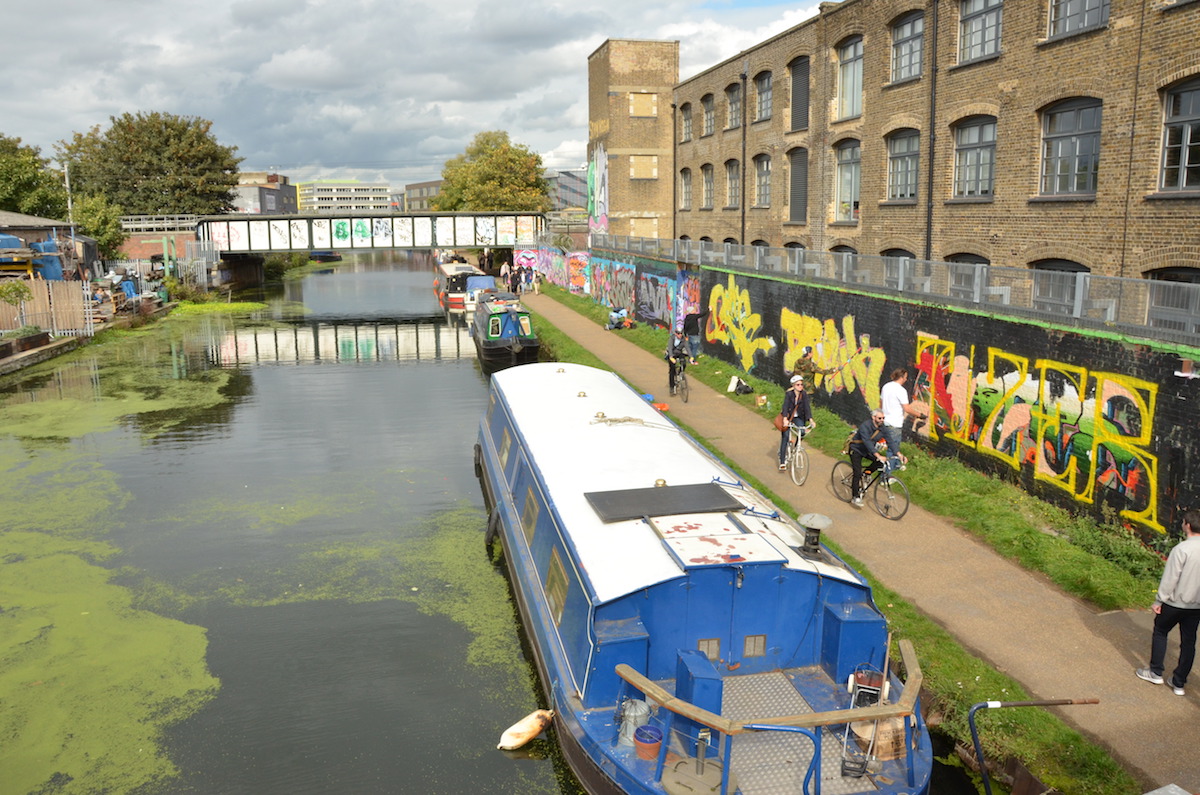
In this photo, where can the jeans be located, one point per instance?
(856, 466)
(1164, 622)
(694, 344)
(893, 444)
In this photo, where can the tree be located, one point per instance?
(154, 164)
(28, 184)
(494, 174)
(96, 218)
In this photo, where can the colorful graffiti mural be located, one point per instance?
(1086, 433)
(734, 322)
(598, 189)
(858, 366)
(614, 284)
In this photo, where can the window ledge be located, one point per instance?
(760, 207)
(795, 223)
(1062, 198)
(1171, 5)
(844, 223)
(1173, 194)
(902, 82)
(730, 207)
(971, 200)
(898, 203)
(975, 61)
(706, 209)
(760, 121)
(1070, 35)
(706, 135)
(844, 119)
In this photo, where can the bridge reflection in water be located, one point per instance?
(343, 342)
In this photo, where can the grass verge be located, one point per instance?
(1016, 524)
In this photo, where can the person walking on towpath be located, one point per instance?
(1177, 604)
(797, 410)
(896, 405)
(691, 329)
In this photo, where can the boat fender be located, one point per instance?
(493, 530)
(525, 729)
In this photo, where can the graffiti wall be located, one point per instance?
(1091, 421)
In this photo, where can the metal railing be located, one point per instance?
(1157, 310)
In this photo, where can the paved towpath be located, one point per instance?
(1053, 644)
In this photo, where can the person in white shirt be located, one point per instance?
(896, 406)
(1177, 604)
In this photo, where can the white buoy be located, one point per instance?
(525, 729)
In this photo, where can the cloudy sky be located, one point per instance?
(378, 90)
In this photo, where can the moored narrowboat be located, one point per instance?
(450, 284)
(503, 331)
(689, 637)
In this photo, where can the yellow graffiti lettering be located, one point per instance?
(1129, 449)
(935, 359)
(737, 324)
(1054, 461)
(1005, 442)
(856, 366)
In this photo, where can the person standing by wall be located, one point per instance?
(1177, 604)
(896, 406)
(807, 369)
(691, 328)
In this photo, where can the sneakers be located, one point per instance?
(672, 390)
(1153, 678)
(782, 467)
(857, 502)
(1177, 690)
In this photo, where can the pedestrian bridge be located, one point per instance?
(259, 234)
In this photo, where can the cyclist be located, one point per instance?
(864, 445)
(676, 356)
(797, 410)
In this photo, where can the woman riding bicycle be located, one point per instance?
(677, 354)
(797, 410)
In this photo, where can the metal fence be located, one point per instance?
(1156, 310)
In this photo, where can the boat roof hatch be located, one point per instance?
(624, 504)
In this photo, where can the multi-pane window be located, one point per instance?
(903, 161)
(733, 106)
(849, 178)
(685, 189)
(975, 157)
(908, 38)
(979, 29)
(706, 198)
(710, 114)
(1071, 147)
(1181, 138)
(1071, 16)
(850, 78)
(762, 181)
(685, 122)
(800, 72)
(733, 183)
(798, 189)
(762, 87)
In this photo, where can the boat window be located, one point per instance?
(529, 516)
(556, 586)
(754, 646)
(494, 326)
(526, 327)
(505, 446)
(710, 648)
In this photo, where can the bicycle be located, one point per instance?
(889, 495)
(681, 381)
(796, 457)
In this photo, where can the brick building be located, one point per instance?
(1058, 134)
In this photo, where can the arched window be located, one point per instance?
(733, 184)
(1175, 299)
(904, 160)
(762, 89)
(685, 189)
(798, 187)
(1181, 138)
(710, 114)
(685, 122)
(850, 77)
(979, 29)
(849, 166)
(1071, 147)
(968, 276)
(762, 181)
(908, 40)
(733, 106)
(975, 157)
(799, 69)
(1057, 285)
(706, 189)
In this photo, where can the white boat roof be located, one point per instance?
(587, 433)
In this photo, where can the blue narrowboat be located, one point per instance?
(688, 635)
(503, 331)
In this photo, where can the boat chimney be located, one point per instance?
(813, 524)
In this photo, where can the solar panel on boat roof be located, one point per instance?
(615, 506)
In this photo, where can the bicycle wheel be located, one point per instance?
(683, 384)
(799, 464)
(842, 479)
(890, 497)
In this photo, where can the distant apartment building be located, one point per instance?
(568, 188)
(331, 196)
(418, 195)
(264, 193)
(1056, 135)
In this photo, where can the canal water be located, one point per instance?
(245, 555)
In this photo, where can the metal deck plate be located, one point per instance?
(755, 756)
(623, 504)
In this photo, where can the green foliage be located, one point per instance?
(154, 164)
(187, 290)
(28, 184)
(276, 265)
(493, 174)
(14, 291)
(23, 331)
(99, 219)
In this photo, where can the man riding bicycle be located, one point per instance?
(864, 445)
(677, 355)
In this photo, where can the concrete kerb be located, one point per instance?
(1053, 644)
